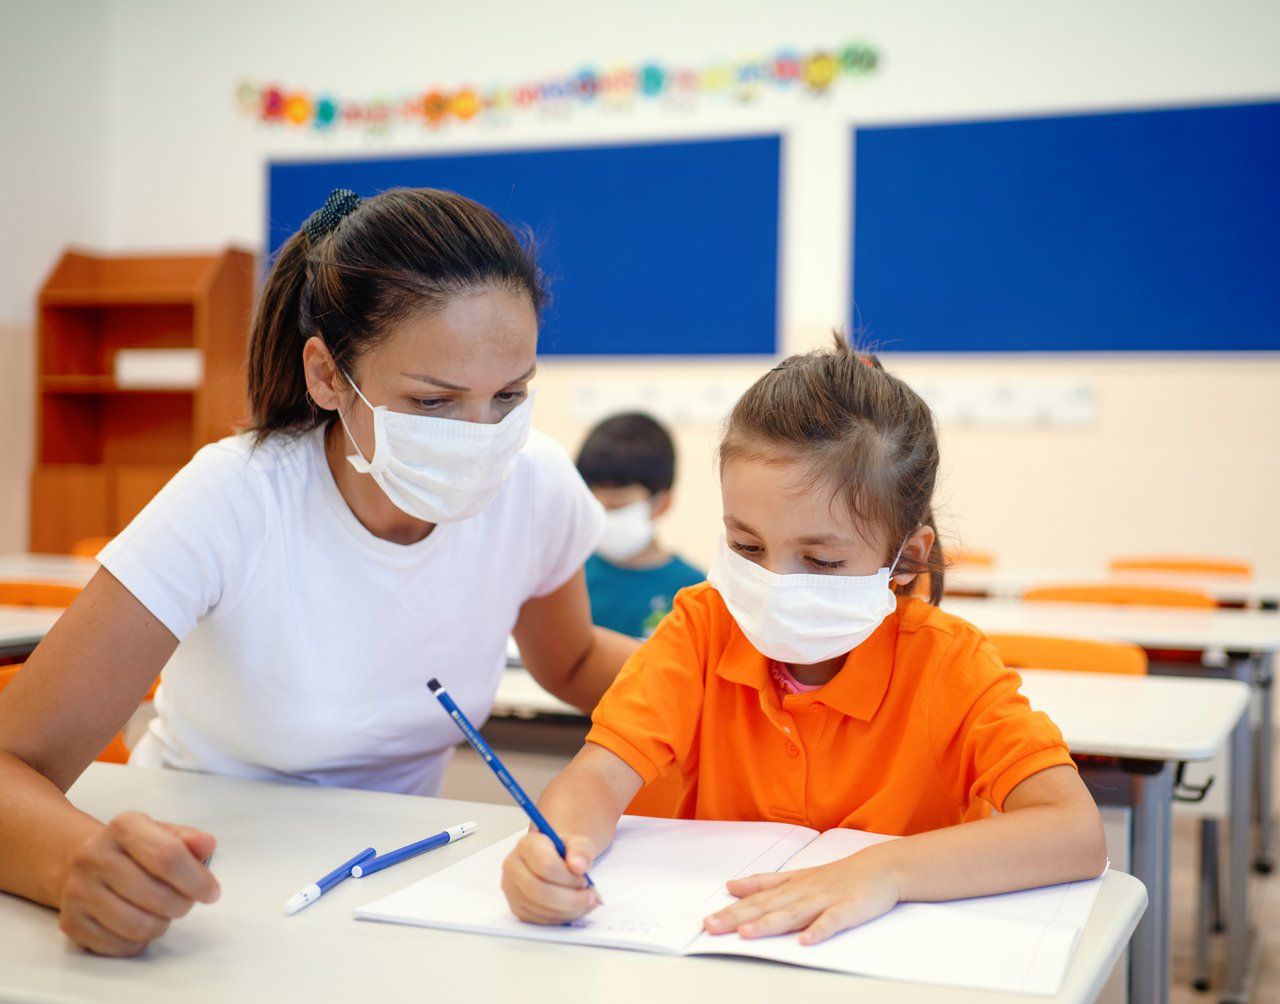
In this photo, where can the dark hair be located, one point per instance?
(861, 430)
(402, 253)
(630, 449)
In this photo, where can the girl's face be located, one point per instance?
(471, 361)
(775, 516)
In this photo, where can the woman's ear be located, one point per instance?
(323, 379)
(916, 551)
(660, 504)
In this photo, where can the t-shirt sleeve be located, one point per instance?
(985, 736)
(650, 716)
(568, 520)
(189, 551)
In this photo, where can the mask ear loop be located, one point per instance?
(901, 547)
(343, 419)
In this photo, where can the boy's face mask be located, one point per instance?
(440, 470)
(628, 530)
(802, 619)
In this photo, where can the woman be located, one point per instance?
(299, 582)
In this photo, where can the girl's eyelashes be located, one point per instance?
(746, 550)
(826, 566)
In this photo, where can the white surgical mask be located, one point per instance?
(628, 530)
(440, 470)
(802, 619)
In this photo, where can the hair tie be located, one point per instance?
(342, 202)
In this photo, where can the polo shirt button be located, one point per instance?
(793, 749)
(816, 706)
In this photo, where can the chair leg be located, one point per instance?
(1207, 908)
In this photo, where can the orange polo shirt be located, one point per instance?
(921, 722)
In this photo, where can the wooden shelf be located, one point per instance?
(103, 450)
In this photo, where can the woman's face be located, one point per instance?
(470, 361)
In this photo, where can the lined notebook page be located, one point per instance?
(1019, 942)
(658, 880)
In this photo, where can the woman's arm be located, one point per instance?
(1050, 832)
(119, 885)
(564, 651)
(583, 805)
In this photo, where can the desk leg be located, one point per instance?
(1264, 680)
(1152, 796)
(1238, 933)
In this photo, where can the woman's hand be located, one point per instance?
(129, 881)
(818, 902)
(543, 888)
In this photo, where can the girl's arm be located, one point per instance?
(1050, 832)
(564, 651)
(117, 886)
(583, 805)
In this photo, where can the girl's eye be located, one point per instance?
(826, 566)
(746, 550)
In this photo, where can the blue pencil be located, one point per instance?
(491, 758)
(413, 850)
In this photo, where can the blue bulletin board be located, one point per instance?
(1150, 230)
(655, 249)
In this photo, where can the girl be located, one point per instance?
(388, 517)
(795, 686)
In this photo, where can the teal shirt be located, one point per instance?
(633, 600)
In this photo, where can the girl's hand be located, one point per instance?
(818, 902)
(543, 888)
(129, 881)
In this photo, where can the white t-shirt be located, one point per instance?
(305, 641)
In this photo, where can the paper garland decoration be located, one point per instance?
(814, 73)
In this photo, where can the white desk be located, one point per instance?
(1159, 721)
(21, 628)
(1011, 584)
(273, 839)
(46, 568)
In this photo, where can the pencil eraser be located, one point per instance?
(433, 685)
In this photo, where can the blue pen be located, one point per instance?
(318, 888)
(491, 758)
(413, 850)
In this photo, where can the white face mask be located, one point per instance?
(802, 619)
(440, 470)
(628, 530)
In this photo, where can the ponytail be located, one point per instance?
(277, 382)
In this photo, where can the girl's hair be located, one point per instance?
(860, 430)
(397, 255)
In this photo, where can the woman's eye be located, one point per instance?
(826, 566)
(430, 403)
(510, 396)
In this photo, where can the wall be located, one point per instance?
(53, 191)
(1177, 459)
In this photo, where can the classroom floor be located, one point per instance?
(468, 778)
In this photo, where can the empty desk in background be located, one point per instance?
(58, 568)
(22, 628)
(1005, 584)
(1149, 723)
(273, 839)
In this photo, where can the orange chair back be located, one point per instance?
(1116, 595)
(1029, 651)
(1184, 566)
(88, 547)
(974, 559)
(37, 594)
(115, 752)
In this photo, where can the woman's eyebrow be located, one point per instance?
(436, 381)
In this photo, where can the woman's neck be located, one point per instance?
(367, 502)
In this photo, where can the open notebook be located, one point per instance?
(661, 877)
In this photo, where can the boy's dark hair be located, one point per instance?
(629, 449)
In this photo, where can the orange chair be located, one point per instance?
(972, 558)
(1183, 565)
(1146, 596)
(37, 594)
(115, 752)
(88, 547)
(1026, 651)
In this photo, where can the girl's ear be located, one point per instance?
(323, 379)
(915, 552)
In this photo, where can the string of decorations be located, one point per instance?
(814, 73)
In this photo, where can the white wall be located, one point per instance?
(53, 191)
(185, 170)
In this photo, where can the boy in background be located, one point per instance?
(628, 461)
